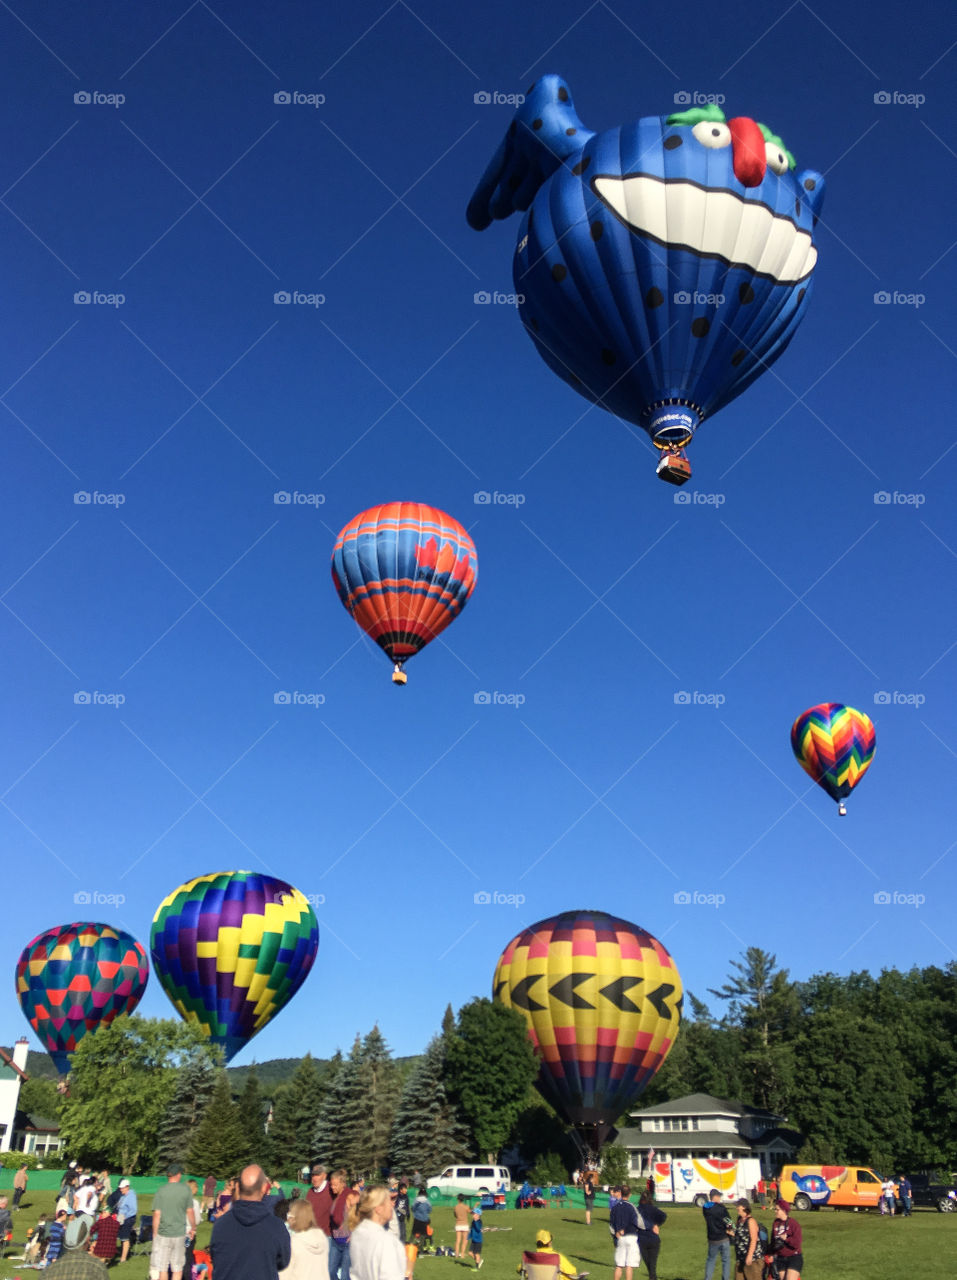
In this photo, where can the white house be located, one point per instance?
(12, 1075)
(702, 1127)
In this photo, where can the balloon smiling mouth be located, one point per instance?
(711, 223)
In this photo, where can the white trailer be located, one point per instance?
(691, 1181)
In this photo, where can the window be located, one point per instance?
(485, 1173)
(694, 1125)
(461, 1173)
(864, 1176)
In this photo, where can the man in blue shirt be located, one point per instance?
(127, 1208)
(719, 1236)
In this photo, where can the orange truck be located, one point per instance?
(852, 1186)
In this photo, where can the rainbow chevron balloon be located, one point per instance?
(76, 977)
(602, 999)
(834, 745)
(231, 950)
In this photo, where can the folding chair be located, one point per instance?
(540, 1265)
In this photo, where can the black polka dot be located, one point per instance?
(571, 132)
(608, 356)
(559, 272)
(654, 297)
(745, 293)
(700, 327)
(801, 293)
(536, 124)
(582, 165)
(563, 94)
(597, 230)
(809, 184)
(716, 133)
(738, 356)
(672, 141)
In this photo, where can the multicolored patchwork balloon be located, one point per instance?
(663, 265)
(76, 977)
(404, 571)
(602, 999)
(231, 950)
(834, 745)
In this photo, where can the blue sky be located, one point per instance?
(585, 779)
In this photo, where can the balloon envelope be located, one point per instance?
(834, 745)
(404, 571)
(231, 949)
(602, 999)
(75, 977)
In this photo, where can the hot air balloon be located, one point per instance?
(404, 571)
(602, 999)
(834, 745)
(663, 265)
(76, 977)
(231, 949)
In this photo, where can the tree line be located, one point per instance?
(864, 1068)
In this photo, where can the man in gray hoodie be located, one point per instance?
(250, 1242)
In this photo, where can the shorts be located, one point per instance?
(419, 1228)
(126, 1229)
(627, 1253)
(794, 1263)
(475, 1246)
(168, 1254)
(461, 1226)
(750, 1271)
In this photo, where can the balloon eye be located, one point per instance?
(777, 160)
(713, 135)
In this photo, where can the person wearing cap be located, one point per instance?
(543, 1243)
(720, 1230)
(126, 1210)
(55, 1237)
(786, 1242)
(173, 1221)
(475, 1237)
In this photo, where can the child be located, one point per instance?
(475, 1237)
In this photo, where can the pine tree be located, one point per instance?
(195, 1085)
(292, 1133)
(428, 1131)
(251, 1111)
(343, 1117)
(219, 1145)
(381, 1083)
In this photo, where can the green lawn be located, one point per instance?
(837, 1245)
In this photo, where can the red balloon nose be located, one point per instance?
(747, 145)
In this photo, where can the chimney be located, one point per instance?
(20, 1051)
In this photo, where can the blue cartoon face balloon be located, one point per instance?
(664, 264)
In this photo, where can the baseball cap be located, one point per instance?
(544, 1237)
(124, 1182)
(477, 1212)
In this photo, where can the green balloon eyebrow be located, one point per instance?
(711, 114)
(775, 141)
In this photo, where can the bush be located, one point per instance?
(14, 1159)
(548, 1170)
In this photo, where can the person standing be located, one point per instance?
(748, 1249)
(173, 1221)
(461, 1215)
(588, 1190)
(651, 1218)
(375, 1253)
(55, 1237)
(86, 1201)
(320, 1197)
(339, 1233)
(475, 1237)
(310, 1247)
(209, 1193)
(20, 1179)
(402, 1210)
(719, 1229)
(904, 1193)
(249, 1242)
(624, 1224)
(126, 1210)
(887, 1197)
(421, 1218)
(786, 1243)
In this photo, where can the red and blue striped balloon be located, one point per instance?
(404, 571)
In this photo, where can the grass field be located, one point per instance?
(837, 1245)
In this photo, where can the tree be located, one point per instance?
(381, 1087)
(614, 1165)
(491, 1063)
(763, 1007)
(428, 1132)
(548, 1170)
(706, 1058)
(295, 1113)
(39, 1097)
(195, 1083)
(122, 1081)
(251, 1112)
(219, 1145)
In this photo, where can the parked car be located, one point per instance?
(472, 1178)
(931, 1191)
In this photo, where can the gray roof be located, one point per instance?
(700, 1104)
(684, 1140)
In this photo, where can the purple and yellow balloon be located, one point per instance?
(231, 950)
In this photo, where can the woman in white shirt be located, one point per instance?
(375, 1253)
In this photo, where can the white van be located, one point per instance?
(471, 1179)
